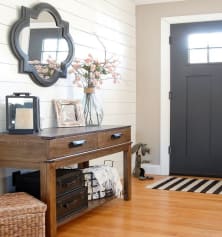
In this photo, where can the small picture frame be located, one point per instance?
(69, 113)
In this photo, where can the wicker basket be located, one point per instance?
(21, 215)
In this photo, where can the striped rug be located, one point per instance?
(183, 184)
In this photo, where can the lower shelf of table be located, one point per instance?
(91, 205)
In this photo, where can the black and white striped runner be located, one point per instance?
(189, 185)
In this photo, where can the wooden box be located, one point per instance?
(71, 194)
(21, 215)
(71, 202)
(66, 180)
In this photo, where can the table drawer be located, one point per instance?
(72, 145)
(114, 137)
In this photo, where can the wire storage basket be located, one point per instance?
(102, 181)
(94, 190)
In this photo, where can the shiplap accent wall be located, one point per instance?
(114, 22)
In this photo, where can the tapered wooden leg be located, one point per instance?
(127, 173)
(48, 195)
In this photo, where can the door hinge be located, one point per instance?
(169, 150)
(170, 95)
(170, 39)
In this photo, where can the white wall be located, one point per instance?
(148, 33)
(114, 22)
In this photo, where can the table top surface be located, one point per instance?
(59, 132)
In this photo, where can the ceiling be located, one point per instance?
(142, 2)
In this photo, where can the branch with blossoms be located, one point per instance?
(90, 72)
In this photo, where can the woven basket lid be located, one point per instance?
(19, 203)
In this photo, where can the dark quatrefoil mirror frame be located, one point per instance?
(24, 65)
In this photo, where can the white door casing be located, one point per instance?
(165, 81)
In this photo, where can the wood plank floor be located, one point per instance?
(151, 213)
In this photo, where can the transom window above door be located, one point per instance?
(205, 48)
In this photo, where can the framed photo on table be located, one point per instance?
(69, 113)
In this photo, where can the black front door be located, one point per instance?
(196, 99)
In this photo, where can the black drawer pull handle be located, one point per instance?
(73, 182)
(77, 143)
(69, 204)
(116, 135)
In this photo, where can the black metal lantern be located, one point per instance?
(22, 113)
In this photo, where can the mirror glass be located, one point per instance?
(41, 41)
(44, 45)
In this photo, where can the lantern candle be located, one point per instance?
(24, 118)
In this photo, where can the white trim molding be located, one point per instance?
(165, 81)
(143, 2)
(151, 169)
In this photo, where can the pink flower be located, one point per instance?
(91, 72)
(92, 67)
(76, 66)
(89, 59)
(78, 78)
(90, 56)
(77, 83)
(97, 74)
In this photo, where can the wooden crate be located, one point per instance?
(66, 180)
(21, 215)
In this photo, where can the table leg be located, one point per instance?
(48, 195)
(127, 173)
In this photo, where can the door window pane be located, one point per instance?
(205, 48)
(49, 45)
(63, 46)
(198, 56)
(55, 49)
(215, 55)
(215, 39)
(197, 41)
(46, 56)
(61, 56)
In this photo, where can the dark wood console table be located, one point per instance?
(58, 147)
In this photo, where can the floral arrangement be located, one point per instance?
(90, 72)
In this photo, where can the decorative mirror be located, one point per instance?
(41, 41)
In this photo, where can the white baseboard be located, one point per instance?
(151, 169)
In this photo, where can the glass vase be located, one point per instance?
(93, 111)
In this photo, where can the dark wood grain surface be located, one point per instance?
(52, 148)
